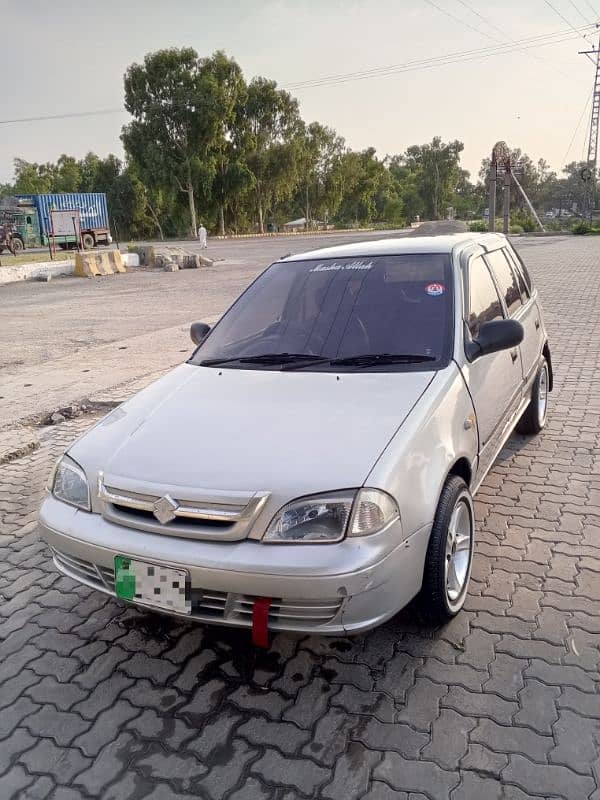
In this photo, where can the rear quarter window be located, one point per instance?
(523, 268)
(506, 279)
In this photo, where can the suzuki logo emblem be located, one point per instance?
(164, 509)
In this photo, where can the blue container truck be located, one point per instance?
(32, 218)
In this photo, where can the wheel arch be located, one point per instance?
(463, 469)
(548, 357)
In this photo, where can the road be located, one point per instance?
(99, 700)
(71, 338)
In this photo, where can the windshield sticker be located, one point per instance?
(353, 265)
(435, 289)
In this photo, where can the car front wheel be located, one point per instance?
(450, 553)
(534, 416)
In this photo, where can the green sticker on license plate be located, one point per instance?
(124, 578)
(152, 584)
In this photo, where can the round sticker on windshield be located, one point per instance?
(435, 289)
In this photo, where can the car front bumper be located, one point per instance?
(348, 587)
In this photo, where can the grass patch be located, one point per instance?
(8, 260)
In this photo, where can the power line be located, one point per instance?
(578, 10)
(591, 8)
(67, 115)
(587, 102)
(484, 19)
(564, 19)
(458, 19)
(541, 40)
(491, 24)
(450, 58)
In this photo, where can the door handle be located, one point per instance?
(537, 324)
(514, 354)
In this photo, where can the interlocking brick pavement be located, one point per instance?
(102, 700)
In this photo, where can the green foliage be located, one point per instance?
(581, 228)
(478, 226)
(203, 141)
(516, 229)
(524, 220)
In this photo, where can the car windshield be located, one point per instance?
(307, 314)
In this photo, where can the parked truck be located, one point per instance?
(35, 222)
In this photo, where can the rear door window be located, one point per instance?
(484, 302)
(506, 278)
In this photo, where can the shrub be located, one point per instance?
(479, 226)
(581, 227)
(516, 229)
(526, 221)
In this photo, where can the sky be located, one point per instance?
(71, 57)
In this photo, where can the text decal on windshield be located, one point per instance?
(353, 265)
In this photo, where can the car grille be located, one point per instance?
(215, 606)
(99, 577)
(227, 520)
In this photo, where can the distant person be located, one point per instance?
(202, 236)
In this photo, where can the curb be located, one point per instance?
(16, 443)
(40, 269)
(290, 233)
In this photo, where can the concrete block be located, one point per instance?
(85, 266)
(102, 263)
(116, 261)
(130, 259)
(145, 252)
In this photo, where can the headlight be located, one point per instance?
(328, 517)
(70, 484)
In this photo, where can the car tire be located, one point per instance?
(88, 241)
(449, 554)
(534, 417)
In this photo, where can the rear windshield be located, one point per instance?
(339, 308)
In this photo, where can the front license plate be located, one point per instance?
(153, 584)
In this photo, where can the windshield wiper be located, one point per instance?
(373, 359)
(266, 358)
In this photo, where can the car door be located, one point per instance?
(529, 316)
(494, 380)
(508, 289)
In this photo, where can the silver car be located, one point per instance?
(312, 466)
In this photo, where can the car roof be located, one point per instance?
(407, 244)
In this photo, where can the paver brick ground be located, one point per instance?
(102, 700)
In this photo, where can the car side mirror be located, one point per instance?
(500, 334)
(198, 332)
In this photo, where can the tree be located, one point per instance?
(406, 186)
(273, 126)
(438, 171)
(319, 153)
(365, 187)
(67, 175)
(231, 176)
(32, 178)
(175, 101)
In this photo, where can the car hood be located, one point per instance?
(292, 432)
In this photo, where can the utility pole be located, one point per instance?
(592, 159)
(506, 199)
(501, 164)
(492, 200)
